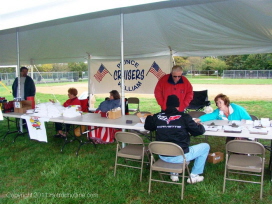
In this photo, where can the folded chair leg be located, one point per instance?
(142, 165)
(182, 185)
(65, 142)
(189, 175)
(75, 138)
(150, 178)
(18, 135)
(83, 143)
(10, 132)
(161, 176)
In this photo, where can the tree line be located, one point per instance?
(232, 62)
(220, 63)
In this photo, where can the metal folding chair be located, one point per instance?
(246, 158)
(134, 150)
(165, 168)
(135, 102)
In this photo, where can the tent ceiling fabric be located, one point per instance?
(14, 13)
(190, 28)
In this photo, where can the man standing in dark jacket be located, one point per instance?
(27, 85)
(177, 127)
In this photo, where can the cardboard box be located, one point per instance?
(215, 157)
(22, 106)
(114, 114)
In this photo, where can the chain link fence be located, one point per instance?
(201, 74)
(55, 77)
(7, 78)
(247, 74)
(46, 77)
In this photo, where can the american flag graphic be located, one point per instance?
(156, 70)
(101, 72)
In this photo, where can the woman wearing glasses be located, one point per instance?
(174, 84)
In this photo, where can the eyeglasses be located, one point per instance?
(176, 76)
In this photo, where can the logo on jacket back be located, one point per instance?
(171, 118)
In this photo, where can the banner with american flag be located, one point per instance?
(156, 70)
(101, 72)
(137, 76)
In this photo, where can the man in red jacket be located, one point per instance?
(174, 84)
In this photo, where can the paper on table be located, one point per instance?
(265, 122)
(212, 128)
(249, 122)
(262, 131)
(30, 111)
(142, 119)
(228, 128)
(139, 125)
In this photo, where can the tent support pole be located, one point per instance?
(172, 61)
(18, 63)
(122, 63)
(31, 68)
(89, 74)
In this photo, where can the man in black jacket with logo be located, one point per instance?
(177, 127)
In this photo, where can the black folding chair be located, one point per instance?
(199, 102)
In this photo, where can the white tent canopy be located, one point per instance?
(188, 27)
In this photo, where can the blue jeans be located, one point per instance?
(197, 152)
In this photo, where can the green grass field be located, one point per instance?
(34, 172)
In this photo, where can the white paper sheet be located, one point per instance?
(228, 128)
(212, 128)
(262, 131)
(139, 125)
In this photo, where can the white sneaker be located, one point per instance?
(195, 179)
(174, 177)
